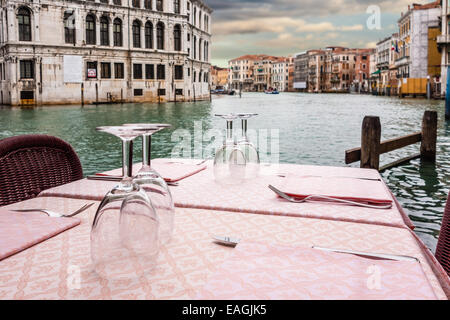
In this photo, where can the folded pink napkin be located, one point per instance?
(256, 271)
(170, 170)
(357, 190)
(19, 231)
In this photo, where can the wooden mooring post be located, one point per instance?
(372, 147)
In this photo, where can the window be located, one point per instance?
(26, 95)
(91, 70)
(90, 30)
(117, 2)
(161, 72)
(137, 71)
(24, 20)
(117, 30)
(177, 37)
(136, 34)
(159, 5)
(105, 70)
(104, 31)
(179, 92)
(195, 47)
(138, 92)
(178, 72)
(149, 35)
(200, 49)
(148, 4)
(150, 71)
(176, 6)
(161, 92)
(137, 3)
(119, 72)
(69, 27)
(26, 69)
(160, 36)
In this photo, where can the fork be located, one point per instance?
(312, 197)
(53, 214)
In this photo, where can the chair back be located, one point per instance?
(443, 247)
(30, 164)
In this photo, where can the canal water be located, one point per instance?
(310, 129)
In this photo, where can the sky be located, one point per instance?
(287, 27)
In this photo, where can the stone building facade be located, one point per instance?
(88, 51)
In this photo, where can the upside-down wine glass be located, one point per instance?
(153, 184)
(229, 161)
(124, 235)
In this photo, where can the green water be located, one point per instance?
(313, 129)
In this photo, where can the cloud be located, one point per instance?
(277, 25)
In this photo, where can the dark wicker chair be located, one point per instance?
(30, 164)
(443, 247)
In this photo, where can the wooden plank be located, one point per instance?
(399, 162)
(398, 143)
(353, 155)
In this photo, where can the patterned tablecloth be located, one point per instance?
(202, 191)
(60, 268)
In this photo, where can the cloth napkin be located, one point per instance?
(20, 231)
(357, 190)
(257, 271)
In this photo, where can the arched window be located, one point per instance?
(117, 29)
(200, 49)
(159, 5)
(177, 37)
(90, 30)
(24, 20)
(176, 6)
(160, 36)
(104, 31)
(69, 27)
(136, 34)
(117, 2)
(148, 4)
(149, 35)
(137, 3)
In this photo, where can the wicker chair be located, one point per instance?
(443, 247)
(30, 164)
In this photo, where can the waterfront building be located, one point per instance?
(301, 71)
(419, 57)
(362, 70)
(219, 78)
(71, 52)
(316, 71)
(241, 72)
(280, 74)
(444, 44)
(387, 54)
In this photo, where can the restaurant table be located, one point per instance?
(47, 270)
(202, 191)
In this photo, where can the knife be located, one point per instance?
(370, 255)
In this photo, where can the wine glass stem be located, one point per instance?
(229, 130)
(244, 129)
(146, 151)
(127, 161)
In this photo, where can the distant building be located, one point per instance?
(387, 54)
(301, 70)
(219, 78)
(71, 52)
(418, 31)
(280, 74)
(362, 70)
(444, 44)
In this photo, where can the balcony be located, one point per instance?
(402, 61)
(443, 39)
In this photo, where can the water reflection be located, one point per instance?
(313, 129)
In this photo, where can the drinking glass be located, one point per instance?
(229, 161)
(153, 184)
(124, 235)
(248, 149)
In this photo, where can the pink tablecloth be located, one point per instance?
(60, 268)
(19, 231)
(203, 192)
(258, 271)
